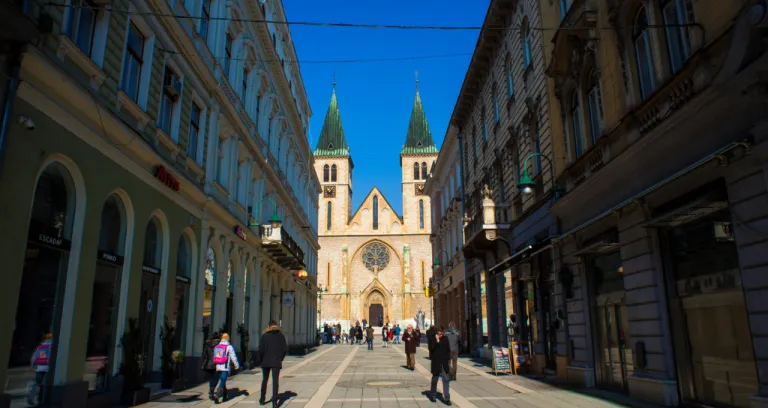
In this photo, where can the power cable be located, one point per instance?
(341, 61)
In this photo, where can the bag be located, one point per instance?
(220, 355)
(42, 354)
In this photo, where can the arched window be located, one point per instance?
(326, 170)
(333, 173)
(644, 59)
(424, 171)
(421, 214)
(415, 171)
(375, 212)
(576, 124)
(677, 13)
(510, 80)
(485, 124)
(495, 102)
(526, 44)
(209, 292)
(329, 216)
(595, 105)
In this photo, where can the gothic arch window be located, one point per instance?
(594, 105)
(578, 138)
(375, 212)
(326, 170)
(676, 14)
(416, 171)
(329, 216)
(424, 171)
(333, 173)
(421, 214)
(644, 59)
(375, 256)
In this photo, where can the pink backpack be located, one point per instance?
(220, 355)
(42, 354)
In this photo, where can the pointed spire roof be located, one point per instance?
(332, 141)
(419, 137)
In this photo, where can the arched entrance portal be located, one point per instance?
(376, 308)
(376, 314)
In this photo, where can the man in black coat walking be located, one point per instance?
(431, 335)
(272, 350)
(439, 364)
(208, 365)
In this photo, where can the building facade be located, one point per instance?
(374, 263)
(662, 242)
(143, 181)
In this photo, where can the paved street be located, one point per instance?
(351, 376)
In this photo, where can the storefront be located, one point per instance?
(96, 240)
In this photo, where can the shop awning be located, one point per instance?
(701, 206)
(598, 248)
(522, 255)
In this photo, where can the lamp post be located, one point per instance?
(275, 221)
(526, 184)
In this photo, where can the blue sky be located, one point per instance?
(375, 98)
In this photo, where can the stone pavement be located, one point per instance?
(342, 376)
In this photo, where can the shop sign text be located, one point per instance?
(167, 178)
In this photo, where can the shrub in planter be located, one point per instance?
(168, 337)
(245, 338)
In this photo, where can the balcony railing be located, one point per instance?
(279, 244)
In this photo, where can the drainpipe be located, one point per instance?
(10, 96)
(463, 209)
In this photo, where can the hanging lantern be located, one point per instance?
(302, 275)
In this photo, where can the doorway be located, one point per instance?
(376, 314)
(150, 287)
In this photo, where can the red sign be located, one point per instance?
(240, 232)
(167, 178)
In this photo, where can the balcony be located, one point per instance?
(279, 244)
(484, 231)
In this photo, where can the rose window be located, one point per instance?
(375, 257)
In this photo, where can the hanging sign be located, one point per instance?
(501, 360)
(288, 299)
(167, 178)
(110, 258)
(240, 232)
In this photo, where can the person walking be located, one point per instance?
(224, 356)
(453, 340)
(384, 336)
(365, 323)
(441, 355)
(369, 337)
(209, 366)
(41, 361)
(359, 335)
(397, 334)
(411, 339)
(272, 349)
(430, 339)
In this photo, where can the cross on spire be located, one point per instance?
(417, 80)
(334, 80)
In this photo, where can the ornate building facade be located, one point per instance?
(374, 264)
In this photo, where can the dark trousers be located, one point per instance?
(213, 378)
(446, 384)
(370, 343)
(275, 382)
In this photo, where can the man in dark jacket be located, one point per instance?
(369, 337)
(272, 349)
(439, 364)
(411, 339)
(431, 333)
(208, 365)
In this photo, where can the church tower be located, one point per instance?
(416, 160)
(333, 164)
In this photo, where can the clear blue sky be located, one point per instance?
(375, 98)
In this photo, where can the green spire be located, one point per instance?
(332, 141)
(419, 138)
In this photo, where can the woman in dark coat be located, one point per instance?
(411, 340)
(440, 365)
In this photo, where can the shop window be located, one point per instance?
(150, 290)
(181, 291)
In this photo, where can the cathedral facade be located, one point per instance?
(374, 263)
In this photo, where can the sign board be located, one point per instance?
(521, 357)
(501, 360)
(288, 299)
(165, 177)
(240, 232)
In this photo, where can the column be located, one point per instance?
(266, 296)
(254, 315)
(238, 301)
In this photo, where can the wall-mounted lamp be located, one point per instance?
(28, 122)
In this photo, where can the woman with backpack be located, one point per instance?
(41, 361)
(224, 355)
(208, 365)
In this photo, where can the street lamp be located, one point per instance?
(526, 184)
(436, 263)
(275, 221)
(302, 275)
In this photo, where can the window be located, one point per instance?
(333, 173)
(375, 212)
(220, 168)
(485, 125)
(415, 171)
(595, 106)
(328, 276)
(326, 173)
(82, 25)
(495, 103)
(424, 273)
(527, 49)
(423, 171)
(642, 41)
(168, 99)
(678, 38)
(421, 214)
(194, 131)
(205, 20)
(228, 54)
(244, 85)
(132, 63)
(537, 149)
(474, 145)
(576, 123)
(510, 80)
(564, 6)
(329, 216)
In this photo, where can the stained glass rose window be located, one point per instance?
(375, 256)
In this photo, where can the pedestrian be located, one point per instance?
(441, 355)
(369, 337)
(224, 357)
(344, 337)
(430, 339)
(272, 349)
(359, 335)
(453, 340)
(209, 366)
(41, 361)
(397, 334)
(365, 323)
(384, 336)
(411, 339)
(390, 335)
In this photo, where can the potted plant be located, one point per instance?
(167, 337)
(245, 337)
(134, 392)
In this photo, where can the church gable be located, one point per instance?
(387, 221)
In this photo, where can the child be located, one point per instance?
(223, 356)
(41, 360)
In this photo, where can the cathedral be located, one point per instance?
(374, 263)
